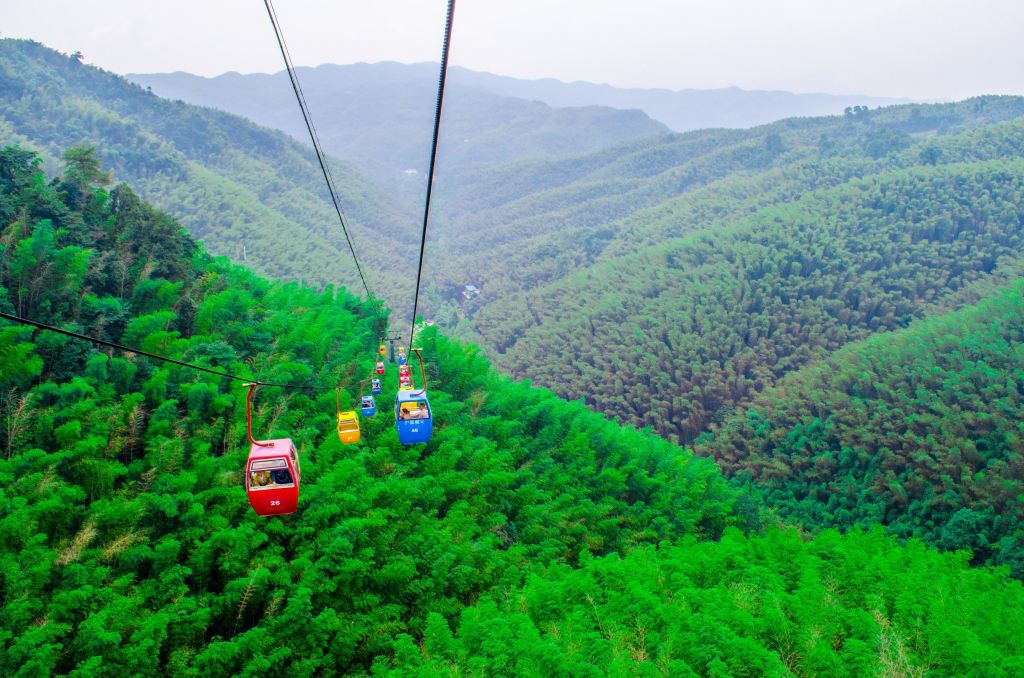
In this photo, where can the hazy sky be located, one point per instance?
(912, 48)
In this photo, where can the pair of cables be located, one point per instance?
(325, 167)
(331, 187)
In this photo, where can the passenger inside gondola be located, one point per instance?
(413, 411)
(268, 478)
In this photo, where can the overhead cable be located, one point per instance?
(433, 157)
(314, 137)
(156, 356)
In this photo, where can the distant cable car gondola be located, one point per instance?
(382, 350)
(375, 386)
(401, 358)
(380, 367)
(368, 407)
(413, 418)
(272, 473)
(404, 371)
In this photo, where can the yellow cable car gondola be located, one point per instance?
(348, 427)
(348, 424)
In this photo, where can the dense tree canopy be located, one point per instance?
(529, 535)
(919, 430)
(830, 308)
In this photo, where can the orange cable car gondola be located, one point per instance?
(272, 473)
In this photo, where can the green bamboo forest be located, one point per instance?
(728, 403)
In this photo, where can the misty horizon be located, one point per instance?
(916, 49)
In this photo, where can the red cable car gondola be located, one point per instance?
(272, 473)
(380, 367)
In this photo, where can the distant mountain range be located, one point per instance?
(681, 110)
(378, 116)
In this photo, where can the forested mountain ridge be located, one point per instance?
(530, 536)
(379, 116)
(715, 319)
(619, 309)
(548, 219)
(248, 192)
(919, 430)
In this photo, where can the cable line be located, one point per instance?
(154, 356)
(314, 137)
(433, 157)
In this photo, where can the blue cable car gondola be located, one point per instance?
(412, 417)
(375, 386)
(412, 411)
(368, 407)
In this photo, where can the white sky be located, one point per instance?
(924, 49)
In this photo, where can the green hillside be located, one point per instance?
(249, 193)
(752, 277)
(529, 536)
(919, 430)
(540, 221)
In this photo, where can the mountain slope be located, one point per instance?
(918, 429)
(129, 547)
(669, 336)
(605, 285)
(250, 193)
(624, 198)
(119, 468)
